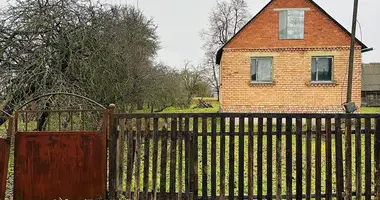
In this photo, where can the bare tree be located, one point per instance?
(192, 80)
(101, 51)
(225, 20)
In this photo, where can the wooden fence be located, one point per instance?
(244, 156)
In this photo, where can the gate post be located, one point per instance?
(377, 159)
(112, 134)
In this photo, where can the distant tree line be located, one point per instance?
(101, 51)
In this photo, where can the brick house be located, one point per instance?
(291, 57)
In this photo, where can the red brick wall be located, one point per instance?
(291, 90)
(262, 32)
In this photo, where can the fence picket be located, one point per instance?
(164, 149)
(339, 159)
(328, 159)
(180, 157)
(155, 157)
(222, 157)
(377, 158)
(241, 157)
(358, 160)
(318, 162)
(260, 159)
(269, 158)
(187, 156)
(299, 158)
(289, 159)
(213, 158)
(130, 158)
(348, 159)
(308, 159)
(279, 158)
(138, 159)
(231, 177)
(173, 157)
(204, 157)
(195, 158)
(250, 158)
(120, 153)
(146, 157)
(368, 167)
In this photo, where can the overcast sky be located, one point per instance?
(180, 22)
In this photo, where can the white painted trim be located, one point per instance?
(283, 9)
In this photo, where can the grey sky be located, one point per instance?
(180, 22)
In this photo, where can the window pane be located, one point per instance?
(253, 70)
(264, 69)
(322, 69)
(295, 24)
(314, 69)
(283, 24)
(324, 66)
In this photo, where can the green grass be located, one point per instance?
(191, 109)
(370, 110)
(215, 104)
(214, 109)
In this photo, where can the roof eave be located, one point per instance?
(219, 56)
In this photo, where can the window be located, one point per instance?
(291, 24)
(322, 69)
(261, 69)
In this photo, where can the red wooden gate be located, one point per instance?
(4, 154)
(65, 163)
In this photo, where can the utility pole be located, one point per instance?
(352, 56)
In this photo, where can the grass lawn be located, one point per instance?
(370, 109)
(191, 109)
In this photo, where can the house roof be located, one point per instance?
(220, 51)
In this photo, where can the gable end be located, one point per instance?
(220, 51)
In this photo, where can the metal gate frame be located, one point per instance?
(5, 144)
(61, 164)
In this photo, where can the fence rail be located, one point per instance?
(244, 156)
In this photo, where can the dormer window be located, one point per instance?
(291, 25)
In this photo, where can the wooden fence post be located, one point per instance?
(112, 134)
(377, 159)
